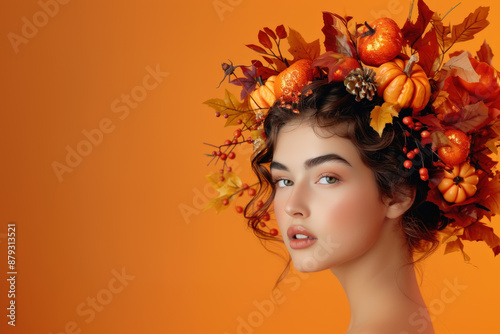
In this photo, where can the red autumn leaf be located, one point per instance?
(489, 194)
(269, 60)
(281, 32)
(428, 51)
(257, 63)
(266, 72)
(470, 117)
(270, 33)
(452, 98)
(481, 232)
(485, 54)
(412, 31)
(256, 48)
(330, 60)
(330, 31)
(483, 161)
(265, 40)
(335, 39)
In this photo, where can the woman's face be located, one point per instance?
(323, 189)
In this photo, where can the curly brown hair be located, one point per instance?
(330, 107)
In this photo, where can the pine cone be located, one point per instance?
(361, 82)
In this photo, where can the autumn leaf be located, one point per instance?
(335, 39)
(489, 193)
(300, 49)
(472, 24)
(442, 33)
(227, 188)
(428, 51)
(281, 32)
(330, 60)
(481, 232)
(229, 185)
(217, 203)
(248, 83)
(439, 139)
(256, 48)
(465, 31)
(270, 33)
(265, 40)
(471, 117)
(485, 54)
(452, 98)
(382, 115)
(266, 72)
(413, 31)
(456, 246)
(233, 107)
(492, 145)
(460, 66)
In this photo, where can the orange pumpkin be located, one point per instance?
(263, 97)
(459, 183)
(403, 82)
(291, 80)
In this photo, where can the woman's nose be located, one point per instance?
(297, 204)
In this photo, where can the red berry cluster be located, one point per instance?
(411, 154)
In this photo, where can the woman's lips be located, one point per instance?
(300, 243)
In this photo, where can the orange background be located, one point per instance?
(121, 207)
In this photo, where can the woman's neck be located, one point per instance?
(383, 291)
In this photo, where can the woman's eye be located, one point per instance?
(284, 183)
(328, 180)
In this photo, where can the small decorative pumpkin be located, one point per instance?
(459, 184)
(379, 42)
(263, 97)
(458, 149)
(404, 82)
(290, 81)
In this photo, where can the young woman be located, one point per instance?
(345, 203)
(368, 157)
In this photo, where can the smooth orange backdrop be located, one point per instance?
(132, 205)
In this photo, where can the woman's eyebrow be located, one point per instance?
(313, 162)
(325, 158)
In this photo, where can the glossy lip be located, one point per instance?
(298, 229)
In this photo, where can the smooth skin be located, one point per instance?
(323, 185)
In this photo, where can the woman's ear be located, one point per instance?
(399, 203)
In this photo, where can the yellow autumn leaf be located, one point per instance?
(233, 107)
(300, 49)
(382, 115)
(455, 246)
(217, 203)
(229, 185)
(492, 145)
